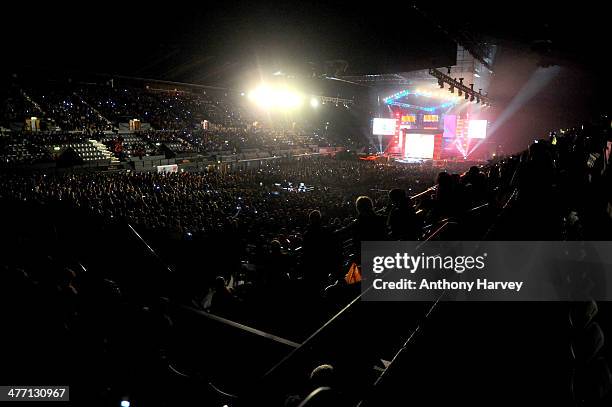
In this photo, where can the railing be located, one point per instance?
(503, 210)
(313, 345)
(240, 327)
(298, 354)
(333, 328)
(418, 331)
(149, 249)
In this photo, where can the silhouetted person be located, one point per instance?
(402, 220)
(276, 266)
(368, 226)
(323, 376)
(475, 183)
(444, 201)
(320, 252)
(223, 302)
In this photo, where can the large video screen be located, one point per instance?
(450, 126)
(384, 127)
(477, 129)
(419, 146)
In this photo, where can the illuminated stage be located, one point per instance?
(435, 113)
(449, 137)
(429, 123)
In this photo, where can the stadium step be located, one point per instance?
(105, 151)
(93, 109)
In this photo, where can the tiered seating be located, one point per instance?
(68, 110)
(16, 108)
(21, 153)
(164, 110)
(87, 151)
(175, 119)
(133, 144)
(221, 211)
(180, 147)
(15, 149)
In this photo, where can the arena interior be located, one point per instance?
(185, 193)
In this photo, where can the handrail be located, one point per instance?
(439, 230)
(149, 248)
(407, 342)
(450, 218)
(476, 208)
(435, 304)
(336, 317)
(501, 212)
(416, 330)
(310, 339)
(221, 392)
(239, 326)
(306, 344)
(430, 189)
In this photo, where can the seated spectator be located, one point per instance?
(223, 302)
(319, 391)
(476, 182)
(276, 267)
(445, 200)
(319, 257)
(368, 226)
(402, 220)
(323, 376)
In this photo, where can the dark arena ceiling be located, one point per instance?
(214, 43)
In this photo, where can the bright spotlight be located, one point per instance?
(262, 96)
(267, 97)
(287, 99)
(314, 102)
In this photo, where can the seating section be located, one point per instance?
(250, 237)
(89, 151)
(68, 111)
(170, 122)
(21, 153)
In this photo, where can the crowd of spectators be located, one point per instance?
(274, 201)
(24, 149)
(266, 199)
(68, 111)
(99, 107)
(163, 109)
(294, 215)
(192, 142)
(170, 122)
(14, 151)
(16, 107)
(288, 225)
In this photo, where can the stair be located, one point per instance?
(93, 109)
(32, 102)
(108, 155)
